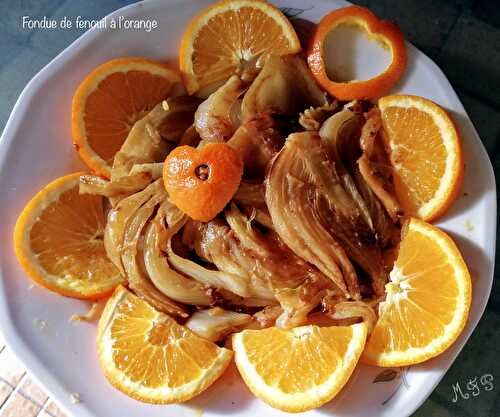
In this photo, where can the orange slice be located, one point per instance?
(426, 153)
(427, 303)
(298, 369)
(110, 100)
(148, 356)
(228, 37)
(58, 240)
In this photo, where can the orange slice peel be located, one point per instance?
(110, 100)
(296, 370)
(229, 36)
(427, 303)
(425, 150)
(150, 357)
(384, 32)
(58, 240)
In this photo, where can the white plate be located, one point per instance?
(36, 148)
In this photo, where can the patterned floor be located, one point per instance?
(20, 395)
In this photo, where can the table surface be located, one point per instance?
(461, 36)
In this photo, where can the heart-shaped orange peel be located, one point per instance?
(387, 33)
(200, 182)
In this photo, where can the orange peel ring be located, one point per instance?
(385, 32)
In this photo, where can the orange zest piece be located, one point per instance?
(427, 303)
(148, 356)
(58, 241)
(425, 151)
(230, 36)
(200, 182)
(110, 100)
(386, 33)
